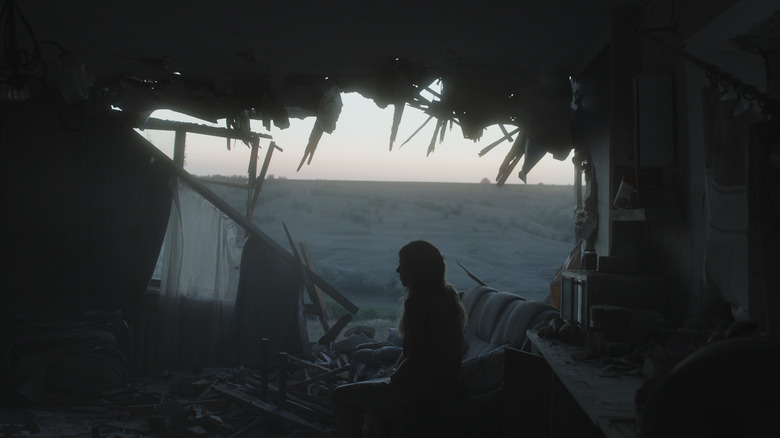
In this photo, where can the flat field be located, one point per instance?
(512, 237)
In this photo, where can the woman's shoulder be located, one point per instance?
(424, 297)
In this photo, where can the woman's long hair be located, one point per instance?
(424, 272)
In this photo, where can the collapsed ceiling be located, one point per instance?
(499, 63)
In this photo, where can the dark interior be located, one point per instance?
(674, 97)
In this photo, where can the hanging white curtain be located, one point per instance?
(201, 262)
(203, 249)
(727, 128)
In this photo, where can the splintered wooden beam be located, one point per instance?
(195, 128)
(509, 135)
(323, 310)
(311, 146)
(260, 178)
(309, 275)
(398, 111)
(511, 160)
(252, 172)
(334, 331)
(268, 408)
(505, 132)
(473, 277)
(308, 284)
(416, 131)
(179, 142)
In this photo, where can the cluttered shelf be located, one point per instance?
(606, 394)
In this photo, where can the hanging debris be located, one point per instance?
(507, 136)
(398, 111)
(511, 160)
(416, 131)
(533, 154)
(327, 116)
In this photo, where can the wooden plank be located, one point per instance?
(196, 128)
(267, 161)
(507, 136)
(310, 287)
(178, 148)
(487, 148)
(317, 293)
(254, 187)
(208, 180)
(263, 406)
(511, 160)
(303, 330)
(307, 284)
(472, 276)
(259, 182)
(333, 333)
(311, 146)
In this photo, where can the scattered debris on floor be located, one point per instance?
(288, 397)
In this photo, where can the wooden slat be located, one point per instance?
(178, 148)
(317, 293)
(334, 331)
(261, 179)
(195, 128)
(307, 284)
(511, 160)
(254, 186)
(487, 148)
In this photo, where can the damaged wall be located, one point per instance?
(86, 211)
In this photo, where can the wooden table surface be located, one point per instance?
(607, 398)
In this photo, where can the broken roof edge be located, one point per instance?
(530, 101)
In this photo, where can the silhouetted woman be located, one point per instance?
(432, 327)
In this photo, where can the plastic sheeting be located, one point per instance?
(202, 249)
(202, 257)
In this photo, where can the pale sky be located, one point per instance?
(358, 150)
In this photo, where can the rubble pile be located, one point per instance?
(287, 396)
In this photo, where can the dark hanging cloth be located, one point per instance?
(726, 127)
(267, 303)
(763, 221)
(86, 208)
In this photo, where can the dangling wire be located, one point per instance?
(14, 58)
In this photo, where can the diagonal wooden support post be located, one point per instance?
(315, 292)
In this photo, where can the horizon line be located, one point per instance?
(284, 178)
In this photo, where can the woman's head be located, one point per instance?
(421, 264)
